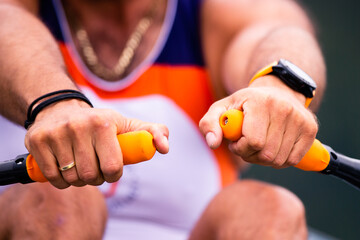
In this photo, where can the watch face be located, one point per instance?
(298, 72)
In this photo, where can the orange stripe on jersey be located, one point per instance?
(188, 86)
(159, 79)
(226, 164)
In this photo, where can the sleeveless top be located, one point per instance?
(161, 198)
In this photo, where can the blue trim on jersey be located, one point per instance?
(183, 46)
(48, 16)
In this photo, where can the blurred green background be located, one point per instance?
(332, 206)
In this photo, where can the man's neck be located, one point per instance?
(110, 23)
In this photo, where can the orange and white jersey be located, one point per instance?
(161, 198)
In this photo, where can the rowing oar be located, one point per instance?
(320, 158)
(136, 147)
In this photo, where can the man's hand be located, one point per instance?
(71, 131)
(277, 129)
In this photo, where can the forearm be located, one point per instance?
(241, 37)
(30, 62)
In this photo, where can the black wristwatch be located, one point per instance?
(292, 76)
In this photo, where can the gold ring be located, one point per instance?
(67, 167)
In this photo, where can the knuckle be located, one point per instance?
(280, 161)
(36, 137)
(267, 156)
(269, 100)
(219, 103)
(78, 184)
(158, 130)
(75, 126)
(112, 170)
(313, 129)
(54, 135)
(164, 129)
(298, 119)
(99, 122)
(204, 123)
(72, 178)
(50, 174)
(113, 178)
(154, 128)
(285, 108)
(277, 163)
(62, 186)
(98, 182)
(310, 130)
(292, 161)
(45, 135)
(238, 151)
(256, 143)
(89, 176)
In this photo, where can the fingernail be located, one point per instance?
(210, 139)
(165, 140)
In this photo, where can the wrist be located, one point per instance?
(49, 99)
(292, 76)
(273, 81)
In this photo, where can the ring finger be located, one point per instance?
(66, 161)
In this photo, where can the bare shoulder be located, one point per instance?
(237, 14)
(29, 5)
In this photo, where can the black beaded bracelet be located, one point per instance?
(58, 96)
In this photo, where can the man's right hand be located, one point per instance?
(71, 131)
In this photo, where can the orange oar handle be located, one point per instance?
(316, 159)
(136, 147)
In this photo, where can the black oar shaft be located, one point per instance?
(14, 171)
(343, 167)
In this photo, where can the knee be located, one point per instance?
(259, 197)
(254, 210)
(277, 202)
(40, 211)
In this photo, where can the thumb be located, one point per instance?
(210, 127)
